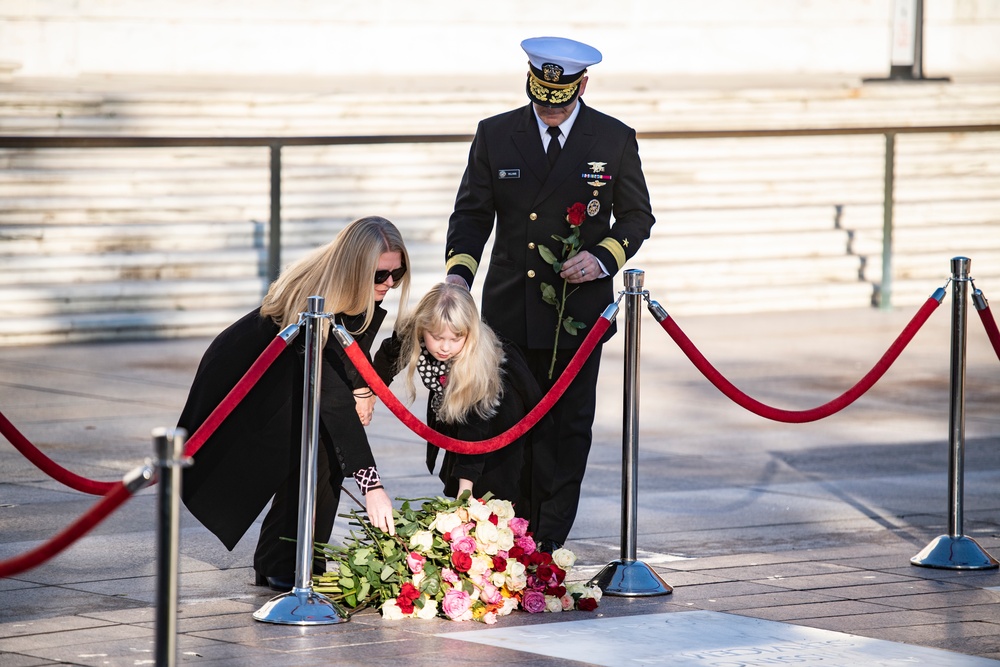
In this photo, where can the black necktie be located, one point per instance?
(554, 145)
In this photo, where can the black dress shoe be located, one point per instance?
(281, 584)
(548, 546)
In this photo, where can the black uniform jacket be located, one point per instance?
(243, 462)
(508, 178)
(499, 472)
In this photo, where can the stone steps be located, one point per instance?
(147, 242)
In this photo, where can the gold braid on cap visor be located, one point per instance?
(553, 93)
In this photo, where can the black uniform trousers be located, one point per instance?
(557, 465)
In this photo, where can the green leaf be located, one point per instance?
(572, 327)
(387, 573)
(549, 294)
(547, 256)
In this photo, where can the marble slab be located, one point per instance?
(709, 639)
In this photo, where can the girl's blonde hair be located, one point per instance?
(342, 272)
(475, 379)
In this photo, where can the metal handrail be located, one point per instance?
(276, 143)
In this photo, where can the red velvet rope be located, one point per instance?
(97, 513)
(801, 416)
(480, 446)
(194, 443)
(991, 328)
(50, 467)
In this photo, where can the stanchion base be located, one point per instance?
(301, 606)
(955, 553)
(631, 578)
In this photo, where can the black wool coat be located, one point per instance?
(508, 179)
(501, 472)
(239, 467)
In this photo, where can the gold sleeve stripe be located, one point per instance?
(616, 250)
(463, 260)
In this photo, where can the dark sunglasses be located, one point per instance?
(382, 275)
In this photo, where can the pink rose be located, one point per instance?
(415, 562)
(465, 545)
(490, 594)
(456, 605)
(533, 602)
(527, 544)
(518, 526)
(449, 575)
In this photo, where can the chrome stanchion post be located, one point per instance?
(168, 447)
(955, 551)
(629, 576)
(302, 605)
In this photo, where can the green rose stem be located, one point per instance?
(560, 324)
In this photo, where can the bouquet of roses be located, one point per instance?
(463, 559)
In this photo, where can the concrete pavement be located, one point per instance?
(784, 543)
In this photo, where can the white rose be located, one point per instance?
(564, 558)
(509, 605)
(479, 511)
(505, 539)
(487, 534)
(596, 593)
(428, 611)
(446, 522)
(502, 508)
(480, 566)
(552, 603)
(391, 611)
(422, 540)
(498, 579)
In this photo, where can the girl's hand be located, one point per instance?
(379, 509)
(365, 407)
(464, 485)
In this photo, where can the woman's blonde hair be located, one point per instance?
(342, 272)
(475, 379)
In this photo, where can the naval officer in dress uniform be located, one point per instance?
(527, 168)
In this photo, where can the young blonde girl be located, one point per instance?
(479, 386)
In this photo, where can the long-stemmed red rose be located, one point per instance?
(575, 215)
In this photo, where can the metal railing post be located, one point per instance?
(885, 289)
(955, 550)
(274, 230)
(168, 447)
(302, 605)
(629, 576)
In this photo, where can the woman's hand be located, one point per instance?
(379, 509)
(365, 407)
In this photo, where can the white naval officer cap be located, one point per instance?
(556, 66)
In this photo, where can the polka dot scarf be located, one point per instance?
(434, 375)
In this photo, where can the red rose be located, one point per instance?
(461, 561)
(576, 214)
(544, 572)
(515, 553)
(556, 591)
(494, 519)
(499, 564)
(559, 573)
(586, 604)
(409, 591)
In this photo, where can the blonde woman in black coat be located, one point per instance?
(254, 455)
